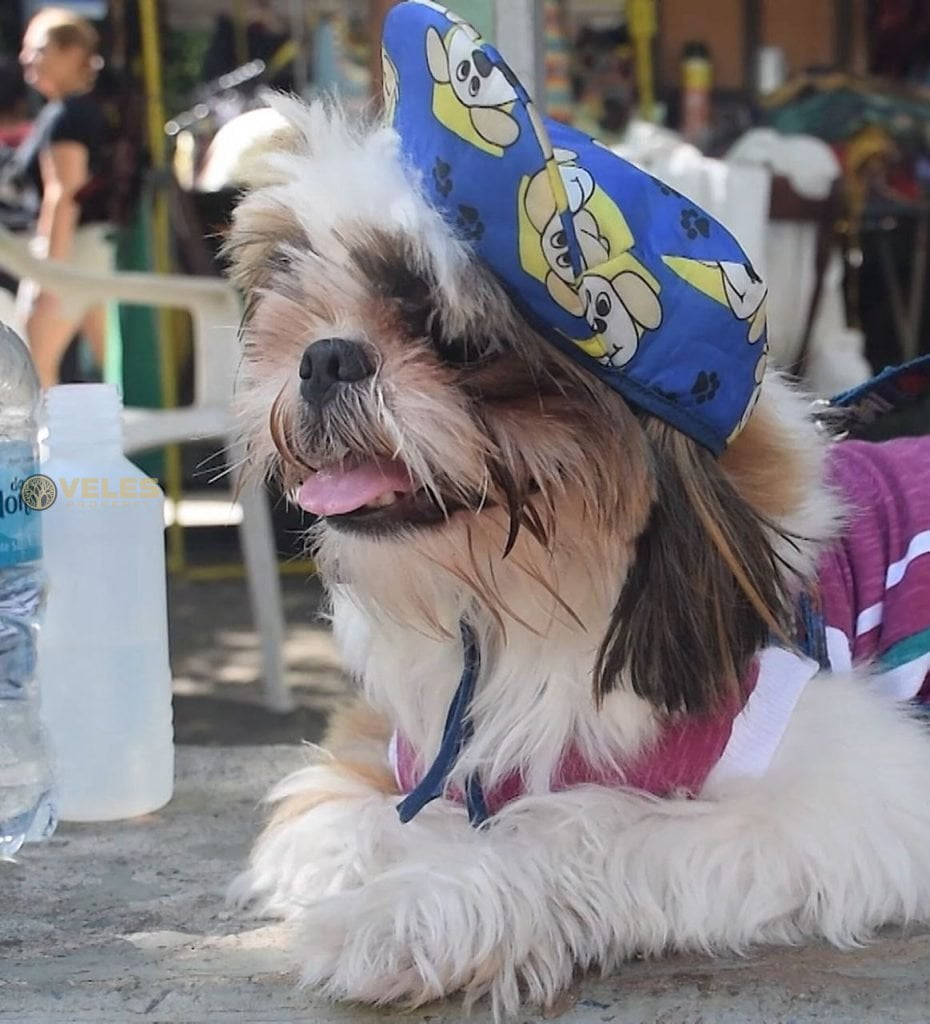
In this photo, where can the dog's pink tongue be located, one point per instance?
(336, 491)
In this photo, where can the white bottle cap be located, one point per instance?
(84, 414)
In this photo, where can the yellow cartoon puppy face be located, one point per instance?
(619, 310)
(580, 189)
(594, 246)
(544, 242)
(555, 249)
(540, 209)
(473, 97)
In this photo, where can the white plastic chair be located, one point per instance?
(215, 310)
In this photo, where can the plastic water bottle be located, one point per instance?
(27, 808)
(104, 670)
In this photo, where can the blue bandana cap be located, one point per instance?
(622, 273)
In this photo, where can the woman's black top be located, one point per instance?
(72, 119)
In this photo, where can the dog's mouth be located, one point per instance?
(371, 496)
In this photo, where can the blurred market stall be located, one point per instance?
(762, 110)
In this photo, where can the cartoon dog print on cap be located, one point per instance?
(472, 95)
(610, 289)
(735, 285)
(619, 307)
(544, 243)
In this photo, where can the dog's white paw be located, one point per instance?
(351, 948)
(328, 837)
(411, 937)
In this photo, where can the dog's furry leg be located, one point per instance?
(824, 844)
(310, 844)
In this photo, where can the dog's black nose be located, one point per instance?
(332, 361)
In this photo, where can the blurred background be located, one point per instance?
(803, 124)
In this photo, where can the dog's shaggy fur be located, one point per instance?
(615, 575)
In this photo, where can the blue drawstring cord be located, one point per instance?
(459, 728)
(455, 734)
(813, 629)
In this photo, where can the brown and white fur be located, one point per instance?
(615, 573)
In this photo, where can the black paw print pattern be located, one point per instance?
(694, 223)
(442, 177)
(469, 224)
(665, 189)
(706, 385)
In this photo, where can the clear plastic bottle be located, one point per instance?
(104, 670)
(27, 806)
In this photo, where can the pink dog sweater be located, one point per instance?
(874, 586)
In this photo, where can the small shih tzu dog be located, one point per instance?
(639, 643)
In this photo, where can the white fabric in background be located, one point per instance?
(836, 357)
(737, 192)
(737, 196)
(836, 354)
(808, 163)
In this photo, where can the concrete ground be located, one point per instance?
(115, 923)
(216, 665)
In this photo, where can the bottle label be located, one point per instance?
(20, 526)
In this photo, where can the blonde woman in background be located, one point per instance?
(63, 159)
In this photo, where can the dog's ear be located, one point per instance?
(263, 227)
(706, 588)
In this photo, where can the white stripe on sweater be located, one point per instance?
(838, 650)
(903, 682)
(871, 617)
(758, 729)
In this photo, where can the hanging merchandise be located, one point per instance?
(696, 84)
(602, 76)
(558, 62)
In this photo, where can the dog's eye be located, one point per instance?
(410, 294)
(474, 87)
(460, 351)
(559, 240)
(281, 258)
(457, 351)
(602, 305)
(563, 261)
(463, 71)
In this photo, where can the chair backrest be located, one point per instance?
(214, 306)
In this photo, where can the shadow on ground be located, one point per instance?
(217, 666)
